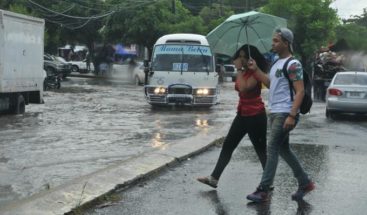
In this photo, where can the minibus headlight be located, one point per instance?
(202, 91)
(159, 90)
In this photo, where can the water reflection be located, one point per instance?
(315, 159)
(202, 123)
(260, 208)
(304, 208)
(157, 141)
(350, 117)
(212, 196)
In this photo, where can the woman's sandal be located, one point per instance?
(209, 180)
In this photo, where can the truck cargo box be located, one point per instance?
(21, 61)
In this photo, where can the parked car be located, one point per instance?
(230, 71)
(130, 71)
(81, 66)
(138, 74)
(53, 65)
(347, 93)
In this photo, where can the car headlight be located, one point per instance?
(202, 91)
(159, 90)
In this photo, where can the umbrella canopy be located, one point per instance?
(252, 28)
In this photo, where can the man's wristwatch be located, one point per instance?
(292, 116)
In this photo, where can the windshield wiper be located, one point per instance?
(182, 59)
(204, 59)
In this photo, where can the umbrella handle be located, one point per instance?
(248, 45)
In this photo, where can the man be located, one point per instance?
(284, 115)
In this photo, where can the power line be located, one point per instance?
(67, 20)
(70, 16)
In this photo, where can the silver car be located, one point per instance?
(230, 71)
(138, 74)
(347, 93)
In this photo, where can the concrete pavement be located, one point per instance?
(338, 173)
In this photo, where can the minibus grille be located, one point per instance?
(186, 91)
(204, 100)
(157, 99)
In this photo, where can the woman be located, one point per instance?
(251, 117)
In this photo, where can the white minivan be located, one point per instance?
(182, 72)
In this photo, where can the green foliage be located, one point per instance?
(19, 9)
(145, 25)
(359, 19)
(313, 22)
(61, 29)
(238, 6)
(354, 34)
(215, 15)
(354, 31)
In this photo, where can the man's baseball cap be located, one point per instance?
(287, 35)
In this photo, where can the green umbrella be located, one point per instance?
(252, 28)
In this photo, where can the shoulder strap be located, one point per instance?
(285, 73)
(272, 64)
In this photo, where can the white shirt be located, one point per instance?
(279, 94)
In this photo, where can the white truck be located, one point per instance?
(21, 61)
(182, 72)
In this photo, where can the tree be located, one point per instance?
(146, 24)
(313, 23)
(241, 6)
(354, 34)
(238, 6)
(215, 15)
(66, 21)
(354, 31)
(359, 20)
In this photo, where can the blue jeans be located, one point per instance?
(279, 145)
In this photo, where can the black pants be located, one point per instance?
(255, 126)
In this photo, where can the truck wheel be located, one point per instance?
(44, 85)
(137, 81)
(75, 68)
(329, 114)
(50, 70)
(18, 105)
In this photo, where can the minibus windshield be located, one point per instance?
(182, 58)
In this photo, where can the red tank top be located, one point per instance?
(250, 103)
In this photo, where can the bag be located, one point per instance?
(307, 99)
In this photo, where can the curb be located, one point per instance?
(86, 190)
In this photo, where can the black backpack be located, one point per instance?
(307, 100)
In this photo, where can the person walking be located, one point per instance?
(250, 118)
(88, 60)
(284, 115)
(221, 70)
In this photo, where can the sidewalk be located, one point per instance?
(64, 198)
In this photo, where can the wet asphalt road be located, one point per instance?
(332, 151)
(87, 125)
(90, 124)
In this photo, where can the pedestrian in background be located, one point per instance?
(88, 60)
(284, 115)
(251, 117)
(220, 70)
